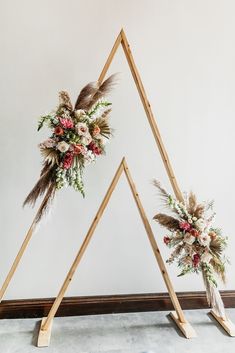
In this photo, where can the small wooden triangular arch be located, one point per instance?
(178, 315)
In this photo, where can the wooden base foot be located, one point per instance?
(227, 324)
(44, 336)
(185, 327)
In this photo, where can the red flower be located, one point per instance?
(166, 240)
(58, 130)
(94, 148)
(68, 160)
(194, 232)
(184, 225)
(196, 260)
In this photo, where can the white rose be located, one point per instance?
(204, 239)
(206, 257)
(82, 129)
(189, 239)
(63, 146)
(79, 113)
(89, 157)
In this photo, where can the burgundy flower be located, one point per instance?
(196, 260)
(166, 240)
(94, 148)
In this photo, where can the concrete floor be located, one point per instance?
(151, 332)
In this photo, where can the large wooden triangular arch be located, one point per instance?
(177, 315)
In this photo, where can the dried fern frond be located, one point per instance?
(64, 100)
(192, 203)
(103, 125)
(167, 221)
(50, 156)
(92, 92)
(216, 247)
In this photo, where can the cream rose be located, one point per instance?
(82, 129)
(63, 146)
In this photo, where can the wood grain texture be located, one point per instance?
(108, 304)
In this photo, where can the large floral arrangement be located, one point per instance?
(78, 137)
(197, 245)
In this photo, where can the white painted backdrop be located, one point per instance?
(185, 53)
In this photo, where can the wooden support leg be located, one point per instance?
(21, 251)
(178, 316)
(44, 335)
(44, 332)
(227, 324)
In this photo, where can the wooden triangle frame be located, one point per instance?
(122, 40)
(178, 315)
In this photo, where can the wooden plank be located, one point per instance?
(184, 327)
(227, 324)
(44, 336)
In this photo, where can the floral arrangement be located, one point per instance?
(78, 137)
(197, 245)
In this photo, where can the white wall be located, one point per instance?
(185, 53)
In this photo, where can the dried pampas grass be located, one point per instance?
(167, 221)
(94, 91)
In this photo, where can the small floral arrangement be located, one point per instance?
(197, 245)
(78, 137)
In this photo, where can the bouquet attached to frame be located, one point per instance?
(78, 137)
(197, 245)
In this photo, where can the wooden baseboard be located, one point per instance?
(107, 304)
